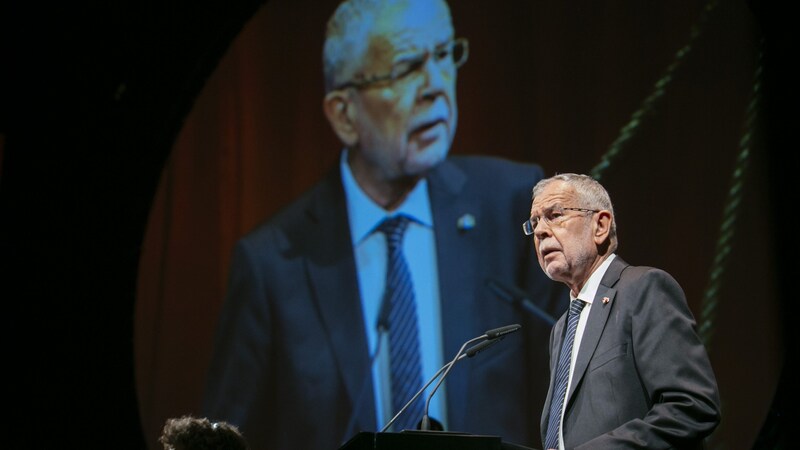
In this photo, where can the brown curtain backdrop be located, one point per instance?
(550, 82)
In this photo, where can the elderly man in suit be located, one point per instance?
(628, 369)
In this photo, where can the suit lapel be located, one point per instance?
(598, 316)
(332, 275)
(457, 259)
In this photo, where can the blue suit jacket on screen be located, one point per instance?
(291, 352)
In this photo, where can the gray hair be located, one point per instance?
(347, 37)
(590, 192)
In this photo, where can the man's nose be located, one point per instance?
(436, 76)
(542, 230)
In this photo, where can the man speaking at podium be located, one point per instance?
(628, 369)
(341, 305)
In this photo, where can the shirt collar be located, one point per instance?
(589, 289)
(364, 214)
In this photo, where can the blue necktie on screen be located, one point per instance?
(404, 351)
(562, 374)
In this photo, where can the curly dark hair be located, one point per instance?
(195, 433)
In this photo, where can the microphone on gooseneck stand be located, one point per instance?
(491, 335)
(479, 347)
(382, 326)
(472, 351)
(519, 298)
(502, 331)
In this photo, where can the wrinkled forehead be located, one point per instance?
(554, 194)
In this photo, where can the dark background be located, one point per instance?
(95, 95)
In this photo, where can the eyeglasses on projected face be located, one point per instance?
(450, 56)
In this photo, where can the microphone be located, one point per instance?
(472, 351)
(383, 315)
(502, 331)
(496, 333)
(382, 325)
(518, 298)
(477, 348)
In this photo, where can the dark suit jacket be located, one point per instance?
(642, 378)
(291, 352)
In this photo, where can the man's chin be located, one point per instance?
(554, 271)
(426, 159)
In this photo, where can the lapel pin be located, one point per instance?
(466, 222)
(606, 300)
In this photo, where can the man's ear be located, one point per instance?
(341, 114)
(602, 227)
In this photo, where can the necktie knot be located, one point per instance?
(394, 228)
(576, 306)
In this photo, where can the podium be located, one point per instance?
(427, 440)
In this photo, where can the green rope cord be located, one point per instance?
(628, 131)
(730, 213)
(723, 249)
(708, 305)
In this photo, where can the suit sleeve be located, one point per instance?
(673, 369)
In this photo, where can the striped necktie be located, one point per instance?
(404, 351)
(562, 375)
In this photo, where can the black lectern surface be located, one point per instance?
(427, 440)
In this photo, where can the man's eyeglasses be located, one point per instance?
(552, 217)
(454, 52)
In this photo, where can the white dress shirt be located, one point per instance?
(586, 294)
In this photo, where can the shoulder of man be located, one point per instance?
(492, 172)
(490, 165)
(637, 275)
(302, 211)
